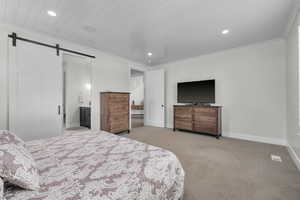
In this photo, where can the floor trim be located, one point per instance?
(281, 142)
(294, 156)
(152, 123)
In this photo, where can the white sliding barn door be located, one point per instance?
(35, 97)
(155, 98)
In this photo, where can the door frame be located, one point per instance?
(145, 69)
(141, 69)
(90, 63)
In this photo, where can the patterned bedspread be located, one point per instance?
(94, 166)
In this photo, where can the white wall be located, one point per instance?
(293, 128)
(250, 84)
(137, 89)
(109, 72)
(77, 94)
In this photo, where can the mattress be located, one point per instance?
(94, 166)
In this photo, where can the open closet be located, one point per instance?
(76, 92)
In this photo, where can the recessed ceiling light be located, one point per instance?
(51, 13)
(149, 54)
(225, 31)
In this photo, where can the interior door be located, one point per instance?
(155, 98)
(35, 91)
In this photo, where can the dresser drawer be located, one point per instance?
(184, 124)
(205, 128)
(120, 104)
(183, 113)
(119, 98)
(119, 127)
(118, 108)
(205, 119)
(118, 117)
(213, 112)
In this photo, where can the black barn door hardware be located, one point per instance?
(57, 47)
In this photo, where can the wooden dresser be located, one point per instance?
(114, 112)
(198, 119)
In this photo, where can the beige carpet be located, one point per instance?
(227, 169)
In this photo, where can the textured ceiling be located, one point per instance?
(170, 29)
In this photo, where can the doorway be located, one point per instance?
(76, 93)
(137, 98)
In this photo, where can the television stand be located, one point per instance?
(199, 119)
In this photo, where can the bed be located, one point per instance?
(94, 166)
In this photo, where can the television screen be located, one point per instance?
(196, 92)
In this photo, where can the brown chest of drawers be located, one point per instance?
(198, 119)
(114, 112)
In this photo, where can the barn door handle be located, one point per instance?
(58, 109)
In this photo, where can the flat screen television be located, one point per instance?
(196, 92)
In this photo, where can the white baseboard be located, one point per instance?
(152, 123)
(294, 155)
(169, 125)
(256, 138)
(253, 138)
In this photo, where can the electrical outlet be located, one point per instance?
(276, 158)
